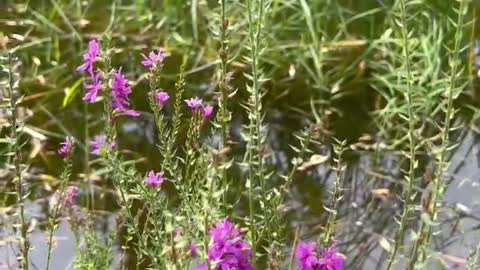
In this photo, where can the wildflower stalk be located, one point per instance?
(17, 159)
(339, 148)
(411, 140)
(304, 138)
(294, 249)
(255, 141)
(423, 240)
(111, 158)
(206, 219)
(53, 220)
(223, 114)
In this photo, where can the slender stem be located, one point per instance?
(24, 243)
(206, 219)
(54, 218)
(295, 244)
(174, 251)
(255, 155)
(332, 219)
(224, 114)
(426, 228)
(411, 139)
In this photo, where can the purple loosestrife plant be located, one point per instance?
(193, 250)
(120, 94)
(153, 59)
(70, 196)
(195, 104)
(207, 112)
(90, 57)
(308, 259)
(228, 249)
(66, 147)
(154, 179)
(93, 88)
(161, 97)
(100, 143)
(197, 107)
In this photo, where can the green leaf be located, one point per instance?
(71, 93)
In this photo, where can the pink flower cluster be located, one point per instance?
(120, 85)
(160, 97)
(153, 59)
(100, 143)
(89, 58)
(120, 94)
(228, 249)
(154, 179)
(197, 107)
(70, 196)
(66, 147)
(308, 259)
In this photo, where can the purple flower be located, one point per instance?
(178, 232)
(193, 249)
(120, 92)
(228, 249)
(162, 97)
(70, 196)
(90, 57)
(330, 260)
(207, 112)
(153, 59)
(154, 179)
(66, 147)
(93, 88)
(195, 104)
(306, 255)
(99, 143)
(202, 266)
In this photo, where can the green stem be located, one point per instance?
(54, 219)
(411, 139)
(24, 243)
(332, 219)
(426, 228)
(224, 114)
(255, 158)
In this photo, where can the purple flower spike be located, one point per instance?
(70, 196)
(90, 57)
(329, 259)
(93, 88)
(120, 94)
(154, 179)
(162, 97)
(99, 143)
(306, 255)
(153, 59)
(193, 249)
(195, 104)
(66, 147)
(202, 266)
(228, 249)
(207, 112)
